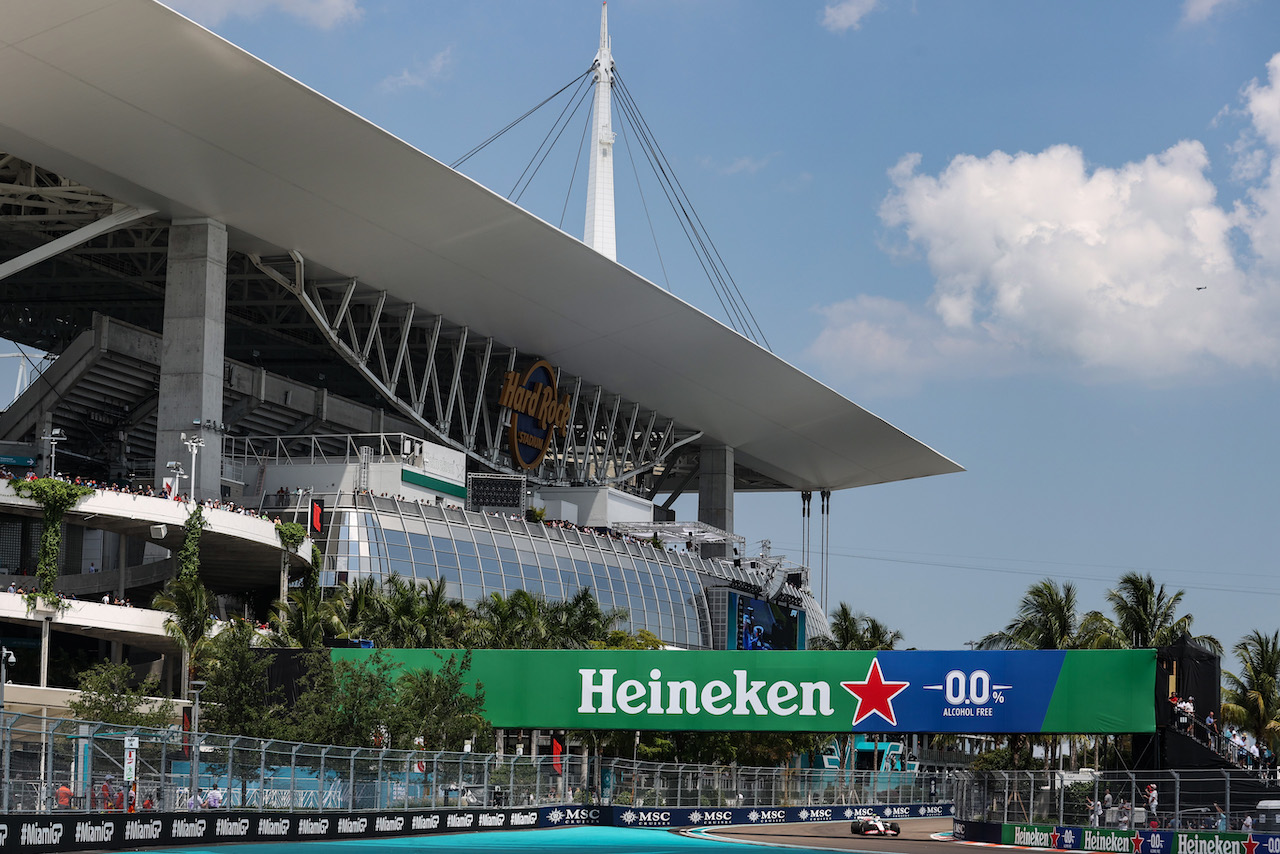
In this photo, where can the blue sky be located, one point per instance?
(987, 222)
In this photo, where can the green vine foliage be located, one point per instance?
(312, 580)
(189, 553)
(291, 534)
(56, 497)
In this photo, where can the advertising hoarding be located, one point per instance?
(1077, 691)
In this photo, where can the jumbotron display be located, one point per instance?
(495, 490)
(757, 624)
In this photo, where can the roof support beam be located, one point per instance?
(111, 222)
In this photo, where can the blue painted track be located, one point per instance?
(561, 840)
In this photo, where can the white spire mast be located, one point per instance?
(599, 232)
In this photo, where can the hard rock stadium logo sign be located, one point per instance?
(537, 413)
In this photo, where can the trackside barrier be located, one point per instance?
(625, 816)
(115, 831)
(1140, 841)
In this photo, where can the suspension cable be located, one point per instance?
(464, 158)
(547, 153)
(732, 293)
(662, 264)
(582, 141)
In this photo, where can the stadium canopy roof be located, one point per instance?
(132, 99)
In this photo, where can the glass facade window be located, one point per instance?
(479, 555)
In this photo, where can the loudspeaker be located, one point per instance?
(159, 532)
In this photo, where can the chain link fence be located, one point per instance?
(1204, 799)
(58, 764)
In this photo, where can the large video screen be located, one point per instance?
(757, 624)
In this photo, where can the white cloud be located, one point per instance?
(1196, 11)
(743, 165)
(747, 164)
(1263, 104)
(321, 13)
(1042, 261)
(1260, 216)
(439, 67)
(844, 15)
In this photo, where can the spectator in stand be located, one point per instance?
(1211, 726)
(214, 798)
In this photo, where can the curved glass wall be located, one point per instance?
(477, 555)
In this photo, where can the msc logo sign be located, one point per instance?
(536, 413)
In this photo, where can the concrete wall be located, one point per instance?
(597, 507)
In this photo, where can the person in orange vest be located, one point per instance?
(64, 797)
(120, 799)
(106, 795)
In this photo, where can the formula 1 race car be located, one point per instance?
(874, 826)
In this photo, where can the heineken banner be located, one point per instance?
(1139, 841)
(1093, 691)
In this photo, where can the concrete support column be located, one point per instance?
(191, 358)
(715, 493)
(46, 629)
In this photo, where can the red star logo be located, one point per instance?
(1250, 845)
(1053, 838)
(1137, 842)
(875, 696)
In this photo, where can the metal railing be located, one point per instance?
(39, 756)
(1200, 799)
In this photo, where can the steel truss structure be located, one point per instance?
(101, 256)
(444, 378)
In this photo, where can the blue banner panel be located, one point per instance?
(627, 816)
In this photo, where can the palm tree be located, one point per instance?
(415, 616)
(190, 605)
(358, 605)
(305, 620)
(1146, 616)
(1252, 699)
(853, 631)
(580, 621)
(518, 621)
(1046, 620)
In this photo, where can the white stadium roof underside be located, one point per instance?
(154, 112)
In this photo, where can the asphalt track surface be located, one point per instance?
(916, 837)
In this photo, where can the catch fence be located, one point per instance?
(45, 762)
(1200, 799)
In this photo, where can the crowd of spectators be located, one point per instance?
(147, 490)
(1232, 743)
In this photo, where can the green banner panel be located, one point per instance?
(1102, 691)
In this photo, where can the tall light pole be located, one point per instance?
(6, 658)
(56, 435)
(194, 687)
(634, 770)
(194, 443)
